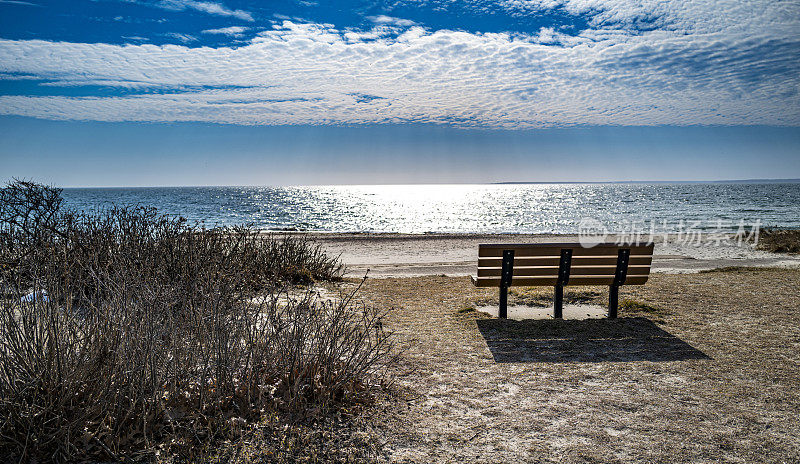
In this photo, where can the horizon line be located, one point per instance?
(719, 181)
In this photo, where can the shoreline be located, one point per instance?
(413, 255)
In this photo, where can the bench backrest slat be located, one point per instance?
(554, 249)
(576, 261)
(539, 271)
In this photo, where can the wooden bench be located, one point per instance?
(561, 264)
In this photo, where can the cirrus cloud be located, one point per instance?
(705, 71)
(213, 8)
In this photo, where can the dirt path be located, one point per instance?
(709, 372)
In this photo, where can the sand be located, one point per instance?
(407, 255)
(527, 312)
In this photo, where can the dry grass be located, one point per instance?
(699, 368)
(779, 241)
(637, 307)
(536, 296)
(126, 335)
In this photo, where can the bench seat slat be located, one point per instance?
(552, 271)
(551, 281)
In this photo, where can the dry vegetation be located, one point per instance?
(698, 368)
(126, 335)
(779, 241)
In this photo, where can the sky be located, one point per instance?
(187, 92)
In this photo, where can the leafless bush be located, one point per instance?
(126, 332)
(779, 240)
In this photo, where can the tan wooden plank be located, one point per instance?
(526, 250)
(563, 245)
(576, 280)
(527, 271)
(553, 261)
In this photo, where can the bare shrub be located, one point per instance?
(125, 332)
(779, 240)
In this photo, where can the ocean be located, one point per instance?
(480, 208)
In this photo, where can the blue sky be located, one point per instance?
(181, 92)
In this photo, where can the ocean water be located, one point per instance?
(484, 208)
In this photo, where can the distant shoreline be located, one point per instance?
(733, 181)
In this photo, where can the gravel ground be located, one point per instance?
(699, 367)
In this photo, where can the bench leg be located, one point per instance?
(503, 313)
(558, 302)
(613, 301)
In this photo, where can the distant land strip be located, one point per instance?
(732, 181)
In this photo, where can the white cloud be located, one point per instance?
(728, 72)
(17, 77)
(674, 15)
(19, 2)
(233, 31)
(390, 20)
(183, 38)
(212, 8)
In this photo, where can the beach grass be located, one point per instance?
(127, 335)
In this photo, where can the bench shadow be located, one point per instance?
(591, 340)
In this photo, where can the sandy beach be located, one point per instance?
(413, 255)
